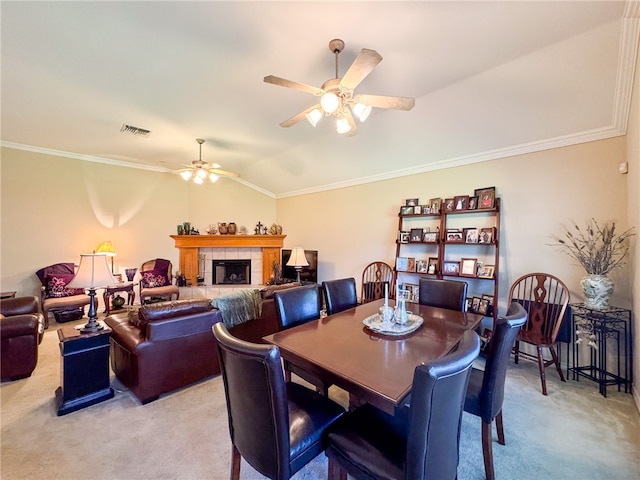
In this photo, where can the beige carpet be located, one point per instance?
(574, 433)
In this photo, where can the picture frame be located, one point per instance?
(403, 236)
(487, 271)
(475, 304)
(486, 198)
(483, 306)
(422, 266)
(435, 204)
(470, 235)
(455, 236)
(413, 290)
(406, 210)
(416, 235)
(468, 304)
(461, 202)
(402, 264)
(430, 237)
(473, 203)
(486, 235)
(450, 268)
(411, 202)
(449, 204)
(432, 266)
(411, 264)
(468, 267)
(485, 339)
(417, 209)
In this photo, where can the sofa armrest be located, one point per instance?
(20, 306)
(22, 325)
(127, 335)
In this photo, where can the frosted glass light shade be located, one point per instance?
(314, 116)
(342, 126)
(186, 175)
(362, 111)
(329, 102)
(93, 272)
(213, 177)
(200, 173)
(197, 180)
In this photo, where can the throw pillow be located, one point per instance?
(154, 278)
(56, 286)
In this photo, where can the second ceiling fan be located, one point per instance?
(337, 95)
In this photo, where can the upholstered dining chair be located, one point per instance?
(545, 298)
(449, 294)
(296, 306)
(156, 281)
(485, 393)
(340, 294)
(56, 298)
(420, 442)
(374, 278)
(276, 426)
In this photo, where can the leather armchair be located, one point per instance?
(164, 346)
(156, 280)
(21, 328)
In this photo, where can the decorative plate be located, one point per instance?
(375, 323)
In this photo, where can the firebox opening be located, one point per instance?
(231, 272)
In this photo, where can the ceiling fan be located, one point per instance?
(199, 170)
(337, 95)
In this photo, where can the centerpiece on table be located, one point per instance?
(599, 249)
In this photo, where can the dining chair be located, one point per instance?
(374, 278)
(296, 306)
(449, 294)
(545, 298)
(340, 294)
(156, 281)
(486, 388)
(276, 426)
(420, 442)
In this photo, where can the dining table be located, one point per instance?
(376, 368)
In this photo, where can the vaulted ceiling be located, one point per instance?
(490, 79)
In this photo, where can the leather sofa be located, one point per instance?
(21, 329)
(163, 346)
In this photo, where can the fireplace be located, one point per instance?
(231, 272)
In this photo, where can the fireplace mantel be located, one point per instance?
(189, 245)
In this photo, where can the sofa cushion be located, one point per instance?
(176, 308)
(56, 286)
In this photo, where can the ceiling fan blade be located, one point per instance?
(381, 101)
(300, 116)
(295, 85)
(223, 173)
(362, 66)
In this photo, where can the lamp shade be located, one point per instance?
(106, 248)
(298, 258)
(93, 272)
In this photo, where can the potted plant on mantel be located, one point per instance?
(599, 249)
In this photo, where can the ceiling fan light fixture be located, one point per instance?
(362, 111)
(329, 102)
(201, 174)
(314, 116)
(186, 175)
(342, 125)
(197, 180)
(213, 177)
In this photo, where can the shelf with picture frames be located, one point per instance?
(452, 237)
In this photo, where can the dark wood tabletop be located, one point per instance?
(374, 368)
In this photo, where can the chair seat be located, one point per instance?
(371, 441)
(62, 302)
(159, 291)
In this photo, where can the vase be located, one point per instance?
(597, 291)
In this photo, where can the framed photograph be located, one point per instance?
(461, 202)
(416, 235)
(468, 304)
(411, 264)
(473, 203)
(426, 209)
(411, 202)
(475, 303)
(403, 237)
(417, 209)
(483, 306)
(435, 204)
(413, 291)
(430, 237)
(485, 339)
(449, 205)
(487, 271)
(422, 266)
(406, 210)
(470, 235)
(486, 235)
(468, 267)
(432, 267)
(402, 264)
(486, 197)
(455, 236)
(488, 297)
(451, 268)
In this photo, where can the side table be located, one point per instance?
(594, 329)
(119, 287)
(84, 371)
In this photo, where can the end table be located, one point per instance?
(119, 287)
(84, 371)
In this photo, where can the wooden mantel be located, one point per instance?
(189, 245)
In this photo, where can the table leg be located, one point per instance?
(106, 298)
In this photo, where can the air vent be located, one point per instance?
(131, 130)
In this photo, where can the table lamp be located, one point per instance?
(298, 260)
(92, 273)
(107, 249)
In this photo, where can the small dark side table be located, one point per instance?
(84, 371)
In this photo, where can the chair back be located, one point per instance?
(340, 294)
(374, 277)
(157, 264)
(495, 369)
(437, 400)
(449, 294)
(545, 298)
(295, 306)
(257, 405)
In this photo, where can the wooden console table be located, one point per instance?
(189, 245)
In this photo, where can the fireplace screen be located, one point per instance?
(232, 272)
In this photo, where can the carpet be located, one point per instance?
(573, 433)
